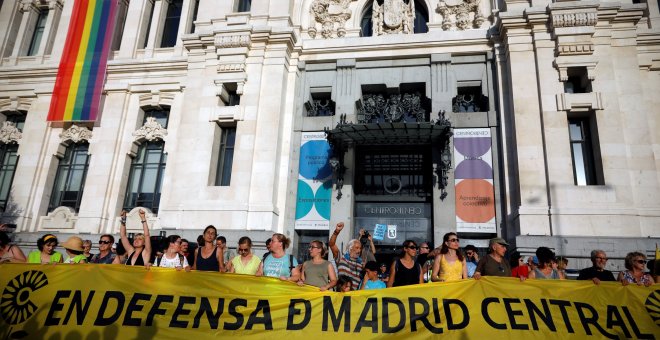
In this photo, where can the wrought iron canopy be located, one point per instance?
(346, 135)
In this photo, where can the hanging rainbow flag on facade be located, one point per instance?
(81, 75)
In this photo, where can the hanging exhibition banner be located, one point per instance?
(475, 194)
(122, 302)
(314, 183)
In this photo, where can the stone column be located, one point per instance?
(156, 29)
(137, 21)
(527, 119)
(443, 85)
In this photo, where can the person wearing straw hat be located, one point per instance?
(74, 250)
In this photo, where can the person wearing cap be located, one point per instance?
(46, 253)
(494, 263)
(74, 250)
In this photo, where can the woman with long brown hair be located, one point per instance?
(209, 257)
(405, 271)
(450, 264)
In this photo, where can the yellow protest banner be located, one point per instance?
(122, 302)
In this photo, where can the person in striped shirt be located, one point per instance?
(350, 263)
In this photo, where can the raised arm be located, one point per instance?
(122, 234)
(146, 253)
(332, 243)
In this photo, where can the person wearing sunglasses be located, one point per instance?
(597, 272)
(635, 263)
(404, 270)
(494, 263)
(245, 262)
(105, 255)
(318, 271)
(450, 264)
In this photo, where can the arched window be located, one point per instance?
(420, 23)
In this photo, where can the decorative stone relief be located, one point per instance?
(332, 15)
(9, 133)
(150, 131)
(76, 134)
(231, 67)
(574, 19)
(320, 107)
(393, 17)
(59, 218)
(375, 108)
(460, 14)
(230, 41)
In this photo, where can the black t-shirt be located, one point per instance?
(591, 272)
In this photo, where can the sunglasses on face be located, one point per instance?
(412, 247)
(640, 261)
(241, 250)
(313, 247)
(104, 242)
(453, 240)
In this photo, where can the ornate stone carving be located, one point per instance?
(375, 108)
(9, 133)
(460, 14)
(393, 17)
(231, 67)
(332, 15)
(76, 134)
(320, 107)
(229, 41)
(574, 19)
(150, 131)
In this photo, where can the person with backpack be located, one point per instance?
(278, 263)
(171, 257)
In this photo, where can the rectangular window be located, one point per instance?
(584, 151)
(244, 5)
(39, 28)
(194, 17)
(70, 177)
(148, 30)
(8, 161)
(226, 156)
(145, 178)
(171, 27)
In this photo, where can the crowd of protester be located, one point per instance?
(354, 269)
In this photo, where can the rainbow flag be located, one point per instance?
(81, 74)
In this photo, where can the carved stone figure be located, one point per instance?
(331, 15)
(393, 17)
(76, 134)
(375, 108)
(9, 133)
(460, 14)
(150, 131)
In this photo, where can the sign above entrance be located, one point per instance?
(393, 223)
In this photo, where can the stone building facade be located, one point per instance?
(206, 104)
